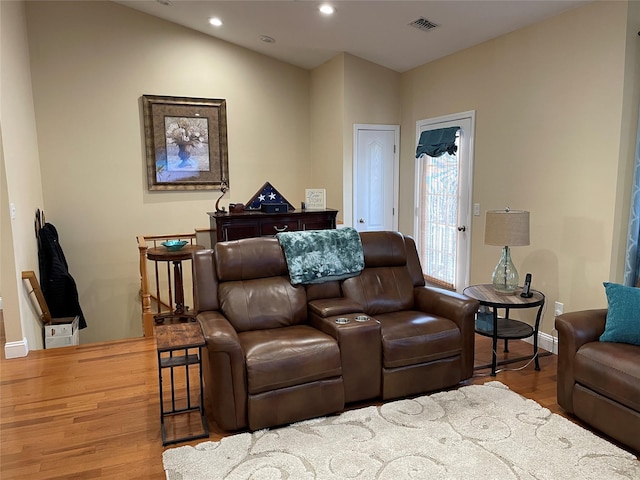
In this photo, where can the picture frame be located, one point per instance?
(185, 143)
(315, 199)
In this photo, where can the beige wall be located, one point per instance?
(88, 77)
(372, 96)
(327, 128)
(549, 106)
(20, 183)
(345, 91)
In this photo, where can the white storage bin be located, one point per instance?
(62, 332)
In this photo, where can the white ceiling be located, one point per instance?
(375, 30)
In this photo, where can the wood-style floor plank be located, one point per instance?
(92, 411)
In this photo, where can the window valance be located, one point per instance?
(437, 142)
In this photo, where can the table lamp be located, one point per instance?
(506, 228)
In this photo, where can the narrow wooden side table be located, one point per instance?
(183, 338)
(506, 328)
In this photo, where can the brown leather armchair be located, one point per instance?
(598, 382)
(263, 365)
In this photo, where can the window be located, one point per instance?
(443, 181)
(439, 217)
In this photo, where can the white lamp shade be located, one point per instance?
(507, 228)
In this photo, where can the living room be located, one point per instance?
(556, 106)
(568, 83)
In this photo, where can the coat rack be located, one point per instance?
(38, 222)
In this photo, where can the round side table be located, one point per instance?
(163, 254)
(506, 328)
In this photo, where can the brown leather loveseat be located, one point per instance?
(276, 355)
(599, 382)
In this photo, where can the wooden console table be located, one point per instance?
(250, 223)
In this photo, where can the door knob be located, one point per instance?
(361, 220)
(462, 229)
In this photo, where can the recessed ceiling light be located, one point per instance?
(215, 21)
(327, 9)
(164, 2)
(267, 39)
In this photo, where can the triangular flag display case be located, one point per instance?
(267, 194)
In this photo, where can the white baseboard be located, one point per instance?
(16, 349)
(546, 341)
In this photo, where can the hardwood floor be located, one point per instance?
(92, 411)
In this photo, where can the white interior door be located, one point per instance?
(375, 177)
(443, 204)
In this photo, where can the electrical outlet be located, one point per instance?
(559, 308)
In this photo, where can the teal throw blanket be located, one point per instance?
(316, 256)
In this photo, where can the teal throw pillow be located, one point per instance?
(623, 316)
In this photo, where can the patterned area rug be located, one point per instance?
(475, 432)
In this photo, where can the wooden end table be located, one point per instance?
(163, 254)
(506, 328)
(183, 338)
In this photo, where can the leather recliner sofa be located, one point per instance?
(598, 382)
(276, 355)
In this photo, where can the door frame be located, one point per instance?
(396, 167)
(466, 193)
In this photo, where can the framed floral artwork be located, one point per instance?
(185, 143)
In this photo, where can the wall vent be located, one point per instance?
(423, 24)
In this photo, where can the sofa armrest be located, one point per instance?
(457, 308)
(578, 328)
(224, 371)
(445, 303)
(574, 330)
(360, 354)
(218, 332)
(329, 307)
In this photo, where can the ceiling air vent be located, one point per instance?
(423, 24)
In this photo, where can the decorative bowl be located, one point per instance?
(174, 245)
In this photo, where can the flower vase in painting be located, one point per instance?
(187, 143)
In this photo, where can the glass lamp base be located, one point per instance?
(505, 276)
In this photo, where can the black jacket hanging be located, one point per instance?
(58, 286)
